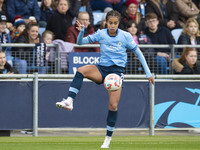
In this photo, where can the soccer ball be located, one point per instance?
(112, 82)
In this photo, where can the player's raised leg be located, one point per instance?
(89, 71)
(114, 97)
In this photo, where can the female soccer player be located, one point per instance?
(113, 44)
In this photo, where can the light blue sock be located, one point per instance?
(111, 120)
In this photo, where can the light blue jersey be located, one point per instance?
(113, 48)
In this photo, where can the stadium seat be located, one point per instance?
(41, 30)
(176, 33)
(98, 16)
(39, 3)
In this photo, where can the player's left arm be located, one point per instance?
(134, 47)
(89, 39)
(80, 39)
(140, 56)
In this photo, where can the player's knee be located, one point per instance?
(81, 70)
(113, 106)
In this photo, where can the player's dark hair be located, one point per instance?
(113, 13)
(1, 51)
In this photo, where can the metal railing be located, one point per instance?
(57, 60)
(133, 65)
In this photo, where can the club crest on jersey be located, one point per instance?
(120, 43)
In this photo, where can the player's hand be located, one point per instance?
(79, 25)
(151, 79)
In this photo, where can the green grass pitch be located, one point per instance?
(94, 143)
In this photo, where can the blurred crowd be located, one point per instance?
(148, 21)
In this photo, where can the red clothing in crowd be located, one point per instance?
(72, 35)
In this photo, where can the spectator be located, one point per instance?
(187, 9)
(5, 67)
(141, 7)
(24, 55)
(130, 14)
(106, 5)
(64, 48)
(19, 26)
(132, 28)
(187, 63)
(72, 32)
(159, 35)
(47, 37)
(3, 9)
(101, 24)
(190, 34)
(47, 8)
(23, 8)
(86, 7)
(139, 38)
(5, 37)
(166, 11)
(61, 20)
(197, 3)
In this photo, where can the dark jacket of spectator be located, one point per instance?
(144, 39)
(171, 11)
(47, 11)
(9, 68)
(59, 23)
(183, 68)
(161, 36)
(185, 39)
(46, 14)
(87, 5)
(197, 3)
(106, 5)
(23, 8)
(72, 35)
(4, 9)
